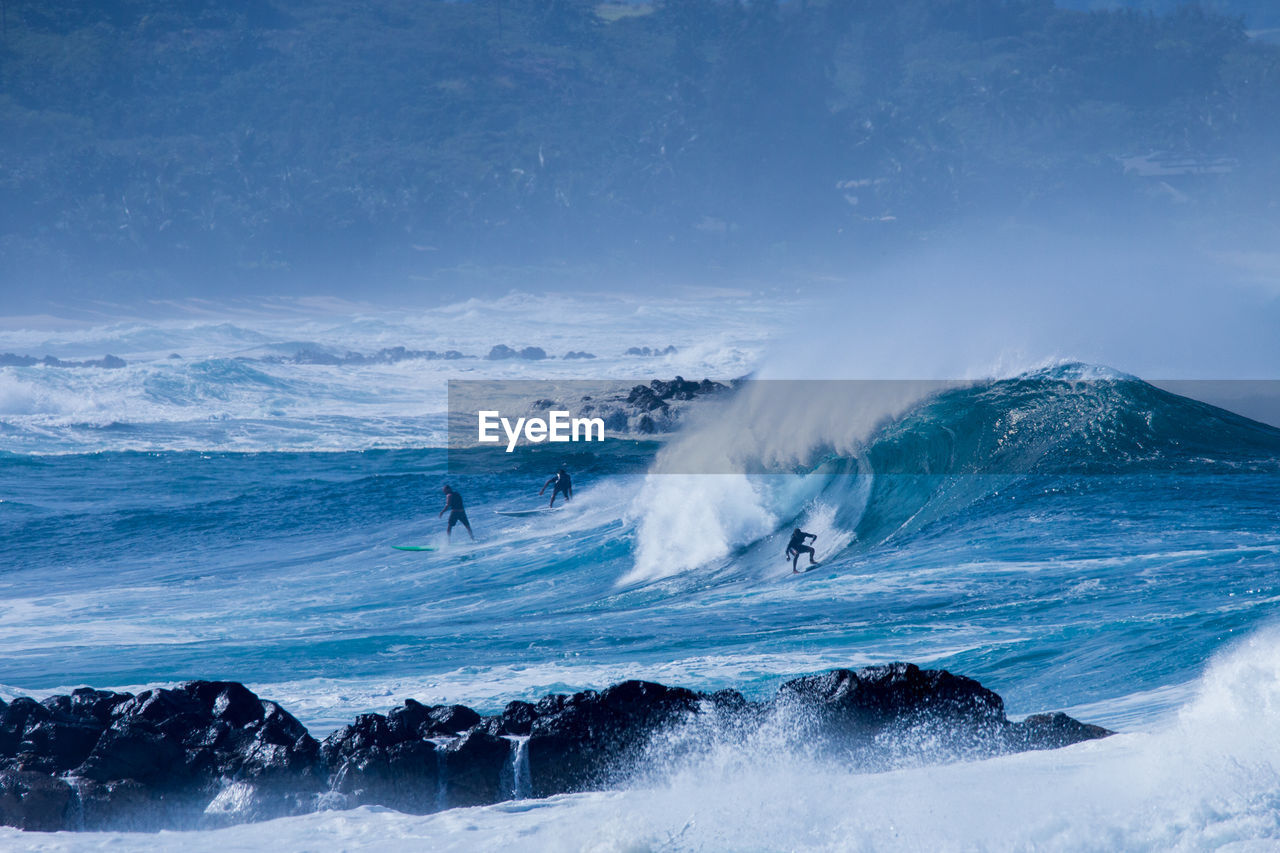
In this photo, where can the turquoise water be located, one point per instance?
(1072, 537)
(1059, 589)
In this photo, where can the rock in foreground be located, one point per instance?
(211, 753)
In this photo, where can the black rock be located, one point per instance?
(517, 718)
(383, 761)
(55, 735)
(208, 753)
(728, 701)
(882, 715)
(581, 742)
(869, 699)
(420, 720)
(85, 701)
(474, 769)
(453, 718)
(645, 399)
(1051, 731)
(167, 753)
(36, 801)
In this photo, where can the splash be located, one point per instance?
(893, 457)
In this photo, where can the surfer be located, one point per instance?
(563, 486)
(796, 547)
(453, 503)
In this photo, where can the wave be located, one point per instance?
(881, 460)
(1204, 777)
(279, 381)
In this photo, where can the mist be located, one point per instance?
(990, 302)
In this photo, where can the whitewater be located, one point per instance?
(1076, 539)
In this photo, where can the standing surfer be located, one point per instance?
(563, 486)
(796, 547)
(453, 503)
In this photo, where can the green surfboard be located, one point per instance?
(414, 547)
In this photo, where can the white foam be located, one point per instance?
(690, 520)
(208, 398)
(1206, 778)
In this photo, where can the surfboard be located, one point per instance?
(414, 547)
(521, 513)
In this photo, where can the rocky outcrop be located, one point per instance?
(207, 753)
(162, 758)
(882, 715)
(584, 741)
(8, 359)
(656, 407)
(306, 353)
(651, 352)
(502, 352)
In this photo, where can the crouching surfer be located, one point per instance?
(796, 547)
(563, 486)
(453, 503)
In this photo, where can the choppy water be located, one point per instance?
(1126, 540)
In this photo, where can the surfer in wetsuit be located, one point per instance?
(453, 503)
(563, 486)
(796, 547)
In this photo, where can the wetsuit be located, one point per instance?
(796, 547)
(456, 512)
(563, 486)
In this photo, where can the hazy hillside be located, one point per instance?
(148, 143)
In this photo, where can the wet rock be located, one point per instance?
(517, 718)
(35, 801)
(1051, 731)
(869, 699)
(168, 753)
(434, 720)
(473, 769)
(728, 701)
(645, 399)
(211, 753)
(380, 761)
(882, 716)
(581, 742)
(57, 734)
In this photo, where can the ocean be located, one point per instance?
(225, 505)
